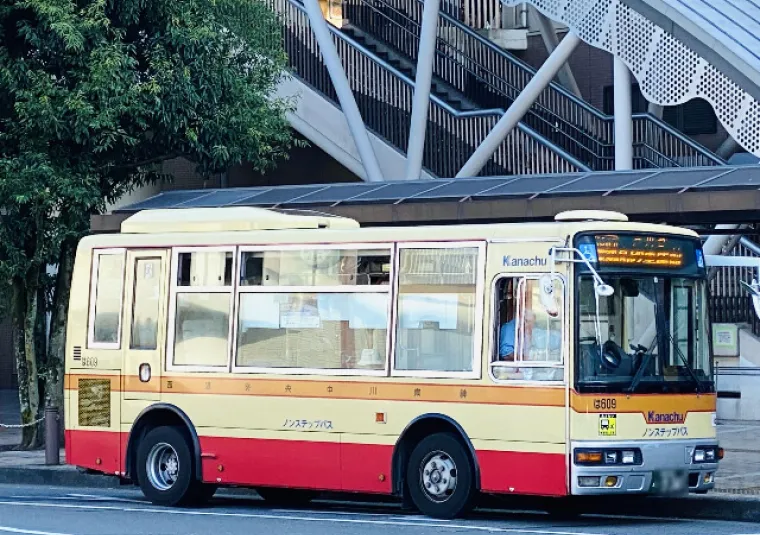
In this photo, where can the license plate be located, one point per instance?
(670, 482)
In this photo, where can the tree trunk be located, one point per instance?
(57, 343)
(26, 365)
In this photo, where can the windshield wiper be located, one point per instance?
(686, 363)
(648, 354)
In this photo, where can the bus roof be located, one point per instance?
(233, 225)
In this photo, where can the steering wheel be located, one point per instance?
(611, 355)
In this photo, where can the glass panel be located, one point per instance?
(531, 320)
(202, 329)
(436, 309)
(315, 267)
(205, 269)
(313, 330)
(108, 291)
(146, 304)
(649, 336)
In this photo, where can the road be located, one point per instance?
(60, 511)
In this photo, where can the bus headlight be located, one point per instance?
(706, 454)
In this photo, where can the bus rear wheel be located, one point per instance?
(440, 477)
(165, 468)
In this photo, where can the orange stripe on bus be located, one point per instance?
(341, 389)
(642, 403)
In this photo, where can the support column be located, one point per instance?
(343, 90)
(656, 110)
(520, 106)
(623, 117)
(549, 36)
(421, 101)
(728, 148)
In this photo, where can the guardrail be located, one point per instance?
(491, 77)
(384, 97)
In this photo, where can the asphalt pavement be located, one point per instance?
(35, 510)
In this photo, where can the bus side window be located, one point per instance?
(106, 292)
(201, 303)
(528, 331)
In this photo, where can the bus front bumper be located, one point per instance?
(666, 467)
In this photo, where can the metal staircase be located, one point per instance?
(481, 73)
(382, 83)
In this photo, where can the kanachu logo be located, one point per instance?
(666, 417)
(524, 262)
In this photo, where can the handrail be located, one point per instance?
(549, 115)
(490, 115)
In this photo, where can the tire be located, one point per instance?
(165, 468)
(440, 477)
(286, 497)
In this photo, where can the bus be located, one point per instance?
(298, 353)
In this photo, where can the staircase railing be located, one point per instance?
(493, 78)
(384, 97)
(729, 301)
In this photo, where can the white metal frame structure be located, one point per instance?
(669, 72)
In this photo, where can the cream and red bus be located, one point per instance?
(297, 353)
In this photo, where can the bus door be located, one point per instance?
(144, 329)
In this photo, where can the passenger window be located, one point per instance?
(202, 301)
(529, 322)
(437, 304)
(315, 267)
(106, 299)
(342, 324)
(146, 304)
(325, 331)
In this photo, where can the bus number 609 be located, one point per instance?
(605, 404)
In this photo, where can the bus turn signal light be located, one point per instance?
(588, 457)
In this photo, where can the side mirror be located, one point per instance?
(547, 297)
(604, 290)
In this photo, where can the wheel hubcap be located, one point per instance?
(162, 466)
(438, 476)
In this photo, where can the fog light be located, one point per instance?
(588, 481)
(610, 481)
(629, 457)
(144, 373)
(708, 478)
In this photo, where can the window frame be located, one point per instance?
(94, 279)
(480, 266)
(175, 289)
(495, 331)
(345, 288)
(137, 260)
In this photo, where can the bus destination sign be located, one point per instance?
(640, 251)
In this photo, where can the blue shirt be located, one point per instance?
(507, 339)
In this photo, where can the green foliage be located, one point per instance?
(95, 93)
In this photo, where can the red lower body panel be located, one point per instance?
(514, 472)
(97, 450)
(322, 465)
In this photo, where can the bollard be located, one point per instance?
(52, 448)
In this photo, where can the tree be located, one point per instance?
(94, 94)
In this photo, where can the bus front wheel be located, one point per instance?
(165, 468)
(440, 477)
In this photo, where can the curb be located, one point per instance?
(717, 506)
(57, 477)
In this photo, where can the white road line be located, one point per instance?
(102, 498)
(296, 518)
(6, 529)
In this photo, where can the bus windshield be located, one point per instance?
(650, 335)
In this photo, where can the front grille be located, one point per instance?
(95, 402)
